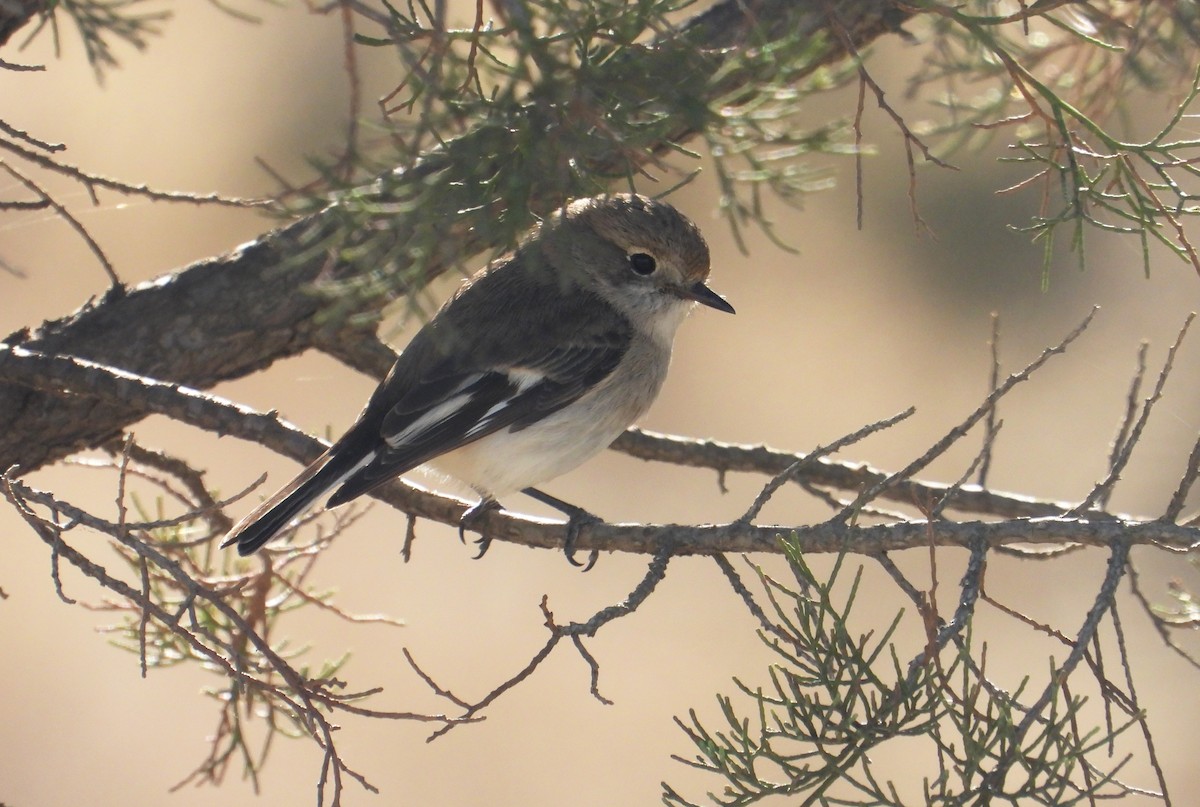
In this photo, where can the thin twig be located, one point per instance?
(1135, 586)
(1135, 707)
(990, 427)
(989, 438)
(74, 223)
(1131, 405)
(655, 572)
(739, 588)
(93, 181)
(955, 434)
(1179, 497)
(760, 459)
(1121, 457)
(799, 465)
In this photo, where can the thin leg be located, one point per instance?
(577, 519)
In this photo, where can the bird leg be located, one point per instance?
(577, 519)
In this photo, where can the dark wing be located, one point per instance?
(448, 390)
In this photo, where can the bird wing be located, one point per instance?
(437, 399)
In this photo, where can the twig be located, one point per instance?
(74, 223)
(990, 428)
(955, 434)
(79, 515)
(594, 667)
(1135, 708)
(740, 589)
(1179, 498)
(1121, 457)
(192, 479)
(1131, 406)
(655, 572)
(305, 698)
(21, 134)
(989, 438)
(93, 181)
(1135, 587)
(574, 630)
(726, 457)
(910, 138)
(350, 153)
(786, 474)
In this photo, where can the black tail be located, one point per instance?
(293, 499)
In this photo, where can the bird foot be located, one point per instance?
(577, 519)
(472, 520)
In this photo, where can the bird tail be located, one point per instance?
(262, 523)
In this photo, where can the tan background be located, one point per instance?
(857, 326)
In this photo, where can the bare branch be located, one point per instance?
(1179, 498)
(799, 465)
(955, 434)
(575, 630)
(66, 216)
(1135, 707)
(725, 457)
(1121, 456)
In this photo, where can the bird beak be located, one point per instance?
(706, 296)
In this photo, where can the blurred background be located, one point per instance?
(855, 326)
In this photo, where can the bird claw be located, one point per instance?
(576, 521)
(471, 520)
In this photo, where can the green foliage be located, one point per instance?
(837, 697)
(1067, 81)
(503, 120)
(493, 124)
(498, 123)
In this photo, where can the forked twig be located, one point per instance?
(1122, 454)
(956, 433)
(574, 630)
(815, 456)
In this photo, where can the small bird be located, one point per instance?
(537, 363)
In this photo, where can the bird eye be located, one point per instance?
(642, 264)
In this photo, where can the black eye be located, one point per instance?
(642, 264)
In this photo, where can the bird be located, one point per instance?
(534, 365)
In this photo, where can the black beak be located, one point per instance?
(706, 296)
